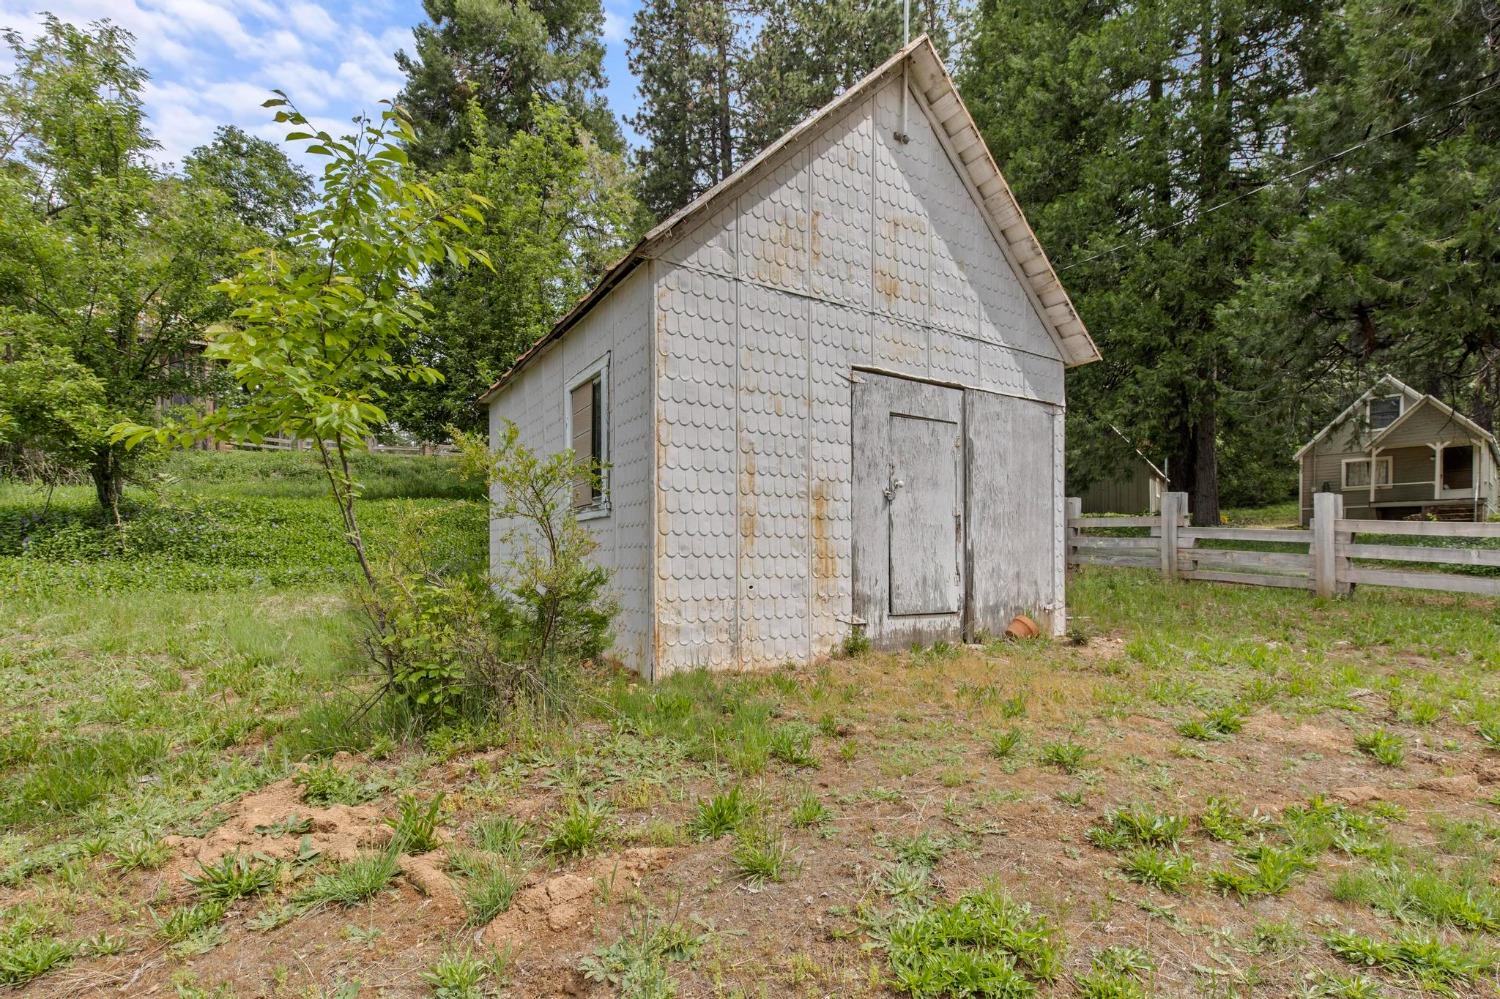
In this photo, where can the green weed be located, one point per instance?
(809, 812)
(638, 963)
(326, 784)
(1138, 825)
(1004, 744)
(1068, 756)
(1430, 961)
(1264, 870)
(983, 944)
(792, 744)
(583, 827)
(351, 883)
(1164, 869)
(502, 834)
(190, 920)
(720, 815)
(416, 823)
(759, 857)
(457, 974)
(1387, 748)
(234, 876)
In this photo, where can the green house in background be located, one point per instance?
(1134, 488)
(1397, 453)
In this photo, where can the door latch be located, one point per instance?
(890, 490)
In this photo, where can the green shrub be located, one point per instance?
(327, 784)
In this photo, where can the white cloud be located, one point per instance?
(616, 26)
(310, 19)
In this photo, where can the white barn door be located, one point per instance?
(908, 550)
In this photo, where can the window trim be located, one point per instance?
(1400, 410)
(598, 369)
(1388, 460)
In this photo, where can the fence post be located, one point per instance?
(1074, 508)
(1328, 508)
(1173, 506)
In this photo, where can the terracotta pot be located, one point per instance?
(1021, 627)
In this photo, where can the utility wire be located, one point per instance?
(1194, 216)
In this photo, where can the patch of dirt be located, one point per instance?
(559, 904)
(1306, 735)
(270, 821)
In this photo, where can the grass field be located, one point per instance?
(1217, 792)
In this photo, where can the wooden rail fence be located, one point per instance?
(1328, 559)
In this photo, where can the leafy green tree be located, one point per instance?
(1133, 133)
(561, 209)
(104, 262)
(316, 327)
(1392, 260)
(503, 55)
(266, 190)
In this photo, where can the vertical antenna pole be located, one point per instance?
(901, 136)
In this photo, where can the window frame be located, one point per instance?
(1400, 409)
(1388, 460)
(599, 370)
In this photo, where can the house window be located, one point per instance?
(588, 436)
(1357, 472)
(1381, 413)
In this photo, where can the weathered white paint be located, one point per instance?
(839, 254)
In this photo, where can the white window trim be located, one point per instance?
(600, 370)
(1400, 409)
(1387, 460)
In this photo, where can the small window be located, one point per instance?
(588, 433)
(1357, 473)
(1383, 412)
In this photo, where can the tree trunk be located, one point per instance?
(724, 124)
(108, 473)
(1205, 488)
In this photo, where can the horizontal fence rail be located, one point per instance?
(1327, 559)
(302, 444)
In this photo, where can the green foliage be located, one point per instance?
(458, 975)
(502, 834)
(415, 826)
(1263, 870)
(27, 949)
(983, 944)
(1217, 724)
(809, 812)
(234, 876)
(583, 827)
(488, 885)
(352, 882)
(1115, 974)
(1068, 756)
(1165, 869)
(264, 188)
(638, 963)
(1003, 744)
(188, 921)
(792, 744)
(560, 209)
(1426, 958)
(1386, 747)
(564, 610)
(105, 262)
(329, 784)
(68, 775)
(1138, 825)
(499, 58)
(721, 814)
(759, 857)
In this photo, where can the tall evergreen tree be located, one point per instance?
(1129, 131)
(501, 55)
(1394, 261)
(688, 59)
(807, 52)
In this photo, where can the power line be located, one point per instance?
(1194, 216)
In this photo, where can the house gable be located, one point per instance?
(708, 233)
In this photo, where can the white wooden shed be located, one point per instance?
(829, 394)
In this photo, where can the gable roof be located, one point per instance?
(1388, 382)
(938, 98)
(1415, 401)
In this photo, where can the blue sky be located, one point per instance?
(213, 62)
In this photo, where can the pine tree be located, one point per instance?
(1128, 132)
(1393, 263)
(688, 57)
(500, 55)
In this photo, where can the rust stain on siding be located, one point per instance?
(747, 504)
(825, 564)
